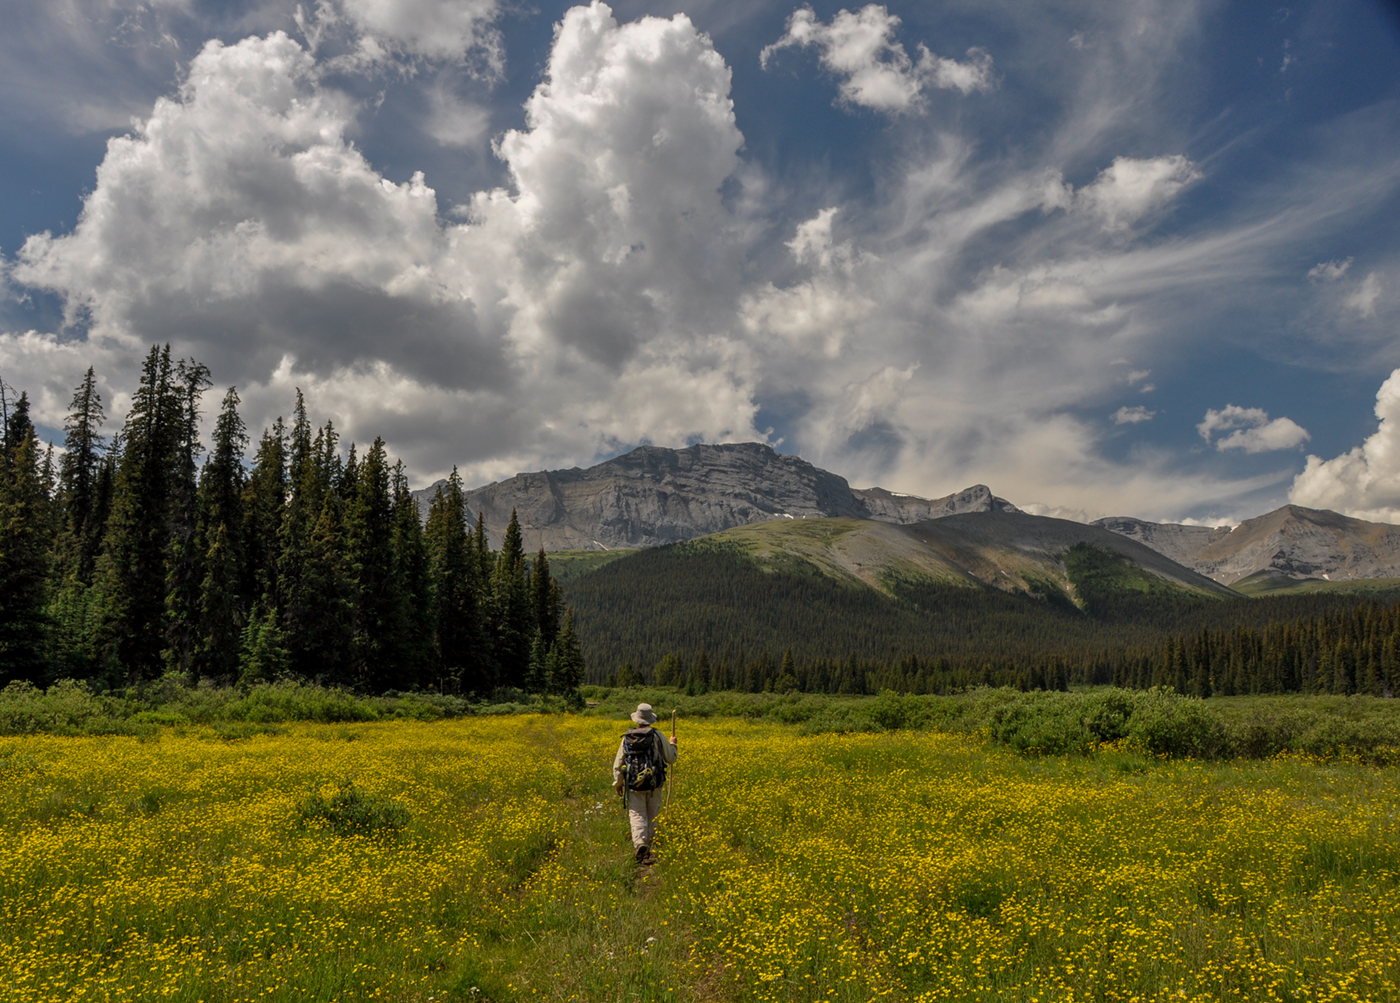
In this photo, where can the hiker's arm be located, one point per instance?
(617, 766)
(668, 749)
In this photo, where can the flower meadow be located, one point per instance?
(486, 859)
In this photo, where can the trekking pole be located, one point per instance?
(670, 777)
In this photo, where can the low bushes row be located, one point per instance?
(73, 708)
(1157, 722)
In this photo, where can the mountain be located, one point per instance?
(1289, 543)
(653, 496)
(973, 587)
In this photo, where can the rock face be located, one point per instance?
(1292, 542)
(1180, 543)
(653, 496)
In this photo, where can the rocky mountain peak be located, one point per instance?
(653, 495)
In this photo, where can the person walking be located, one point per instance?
(639, 774)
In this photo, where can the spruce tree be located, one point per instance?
(380, 622)
(131, 572)
(219, 540)
(264, 502)
(413, 575)
(566, 669)
(545, 600)
(512, 617)
(319, 619)
(462, 659)
(78, 483)
(184, 561)
(23, 557)
(262, 655)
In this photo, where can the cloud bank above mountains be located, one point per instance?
(1036, 229)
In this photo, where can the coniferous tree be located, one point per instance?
(23, 555)
(134, 567)
(412, 573)
(315, 580)
(262, 653)
(458, 639)
(380, 623)
(184, 553)
(264, 504)
(303, 509)
(219, 541)
(511, 612)
(566, 668)
(545, 600)
(79, 487)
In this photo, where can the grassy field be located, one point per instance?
(485, 858)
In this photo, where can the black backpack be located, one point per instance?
(643, 765)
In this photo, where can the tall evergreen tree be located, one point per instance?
(462, 659)
(78, 482)
(566, 668)
(23, 556)
(184, 554)
(264, 505)
(545, 600)
(512, 617)
(412, 573)
(219, 540)
(131, 572)
(380, 622)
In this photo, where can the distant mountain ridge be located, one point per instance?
(1289, 542)
(653, 496)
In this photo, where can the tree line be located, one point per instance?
(122, 561)
(704, 617)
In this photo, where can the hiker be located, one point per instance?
(639, 771)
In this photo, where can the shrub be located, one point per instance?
(354, 812)
(1167, 724)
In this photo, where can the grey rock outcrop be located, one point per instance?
(653, 495)
(1292, 542)
(1180, 543)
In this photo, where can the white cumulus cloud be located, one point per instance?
(1253, 432)
(457, 30)
(1363, 482)
(875, 70)
(1129, 189)
(586, 307)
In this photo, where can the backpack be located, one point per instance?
(643, 765)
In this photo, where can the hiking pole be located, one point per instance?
(670, 777)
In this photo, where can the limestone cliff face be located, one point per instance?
(653, 496)
(1180, 543)
(1292, 541)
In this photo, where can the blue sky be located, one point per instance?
(1108, 259)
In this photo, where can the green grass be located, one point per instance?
(1264, 583)
(566, 565)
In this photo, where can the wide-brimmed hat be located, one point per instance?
(644, 714)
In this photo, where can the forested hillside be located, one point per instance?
(122, 561)
(708, 614)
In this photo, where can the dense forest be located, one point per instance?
(708, 616)
(127, 560)
(150, 555)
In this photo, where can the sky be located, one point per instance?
(1137, 258)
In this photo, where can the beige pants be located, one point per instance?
(642, 809)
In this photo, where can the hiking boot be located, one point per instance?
(642, 853)
(649, 859)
